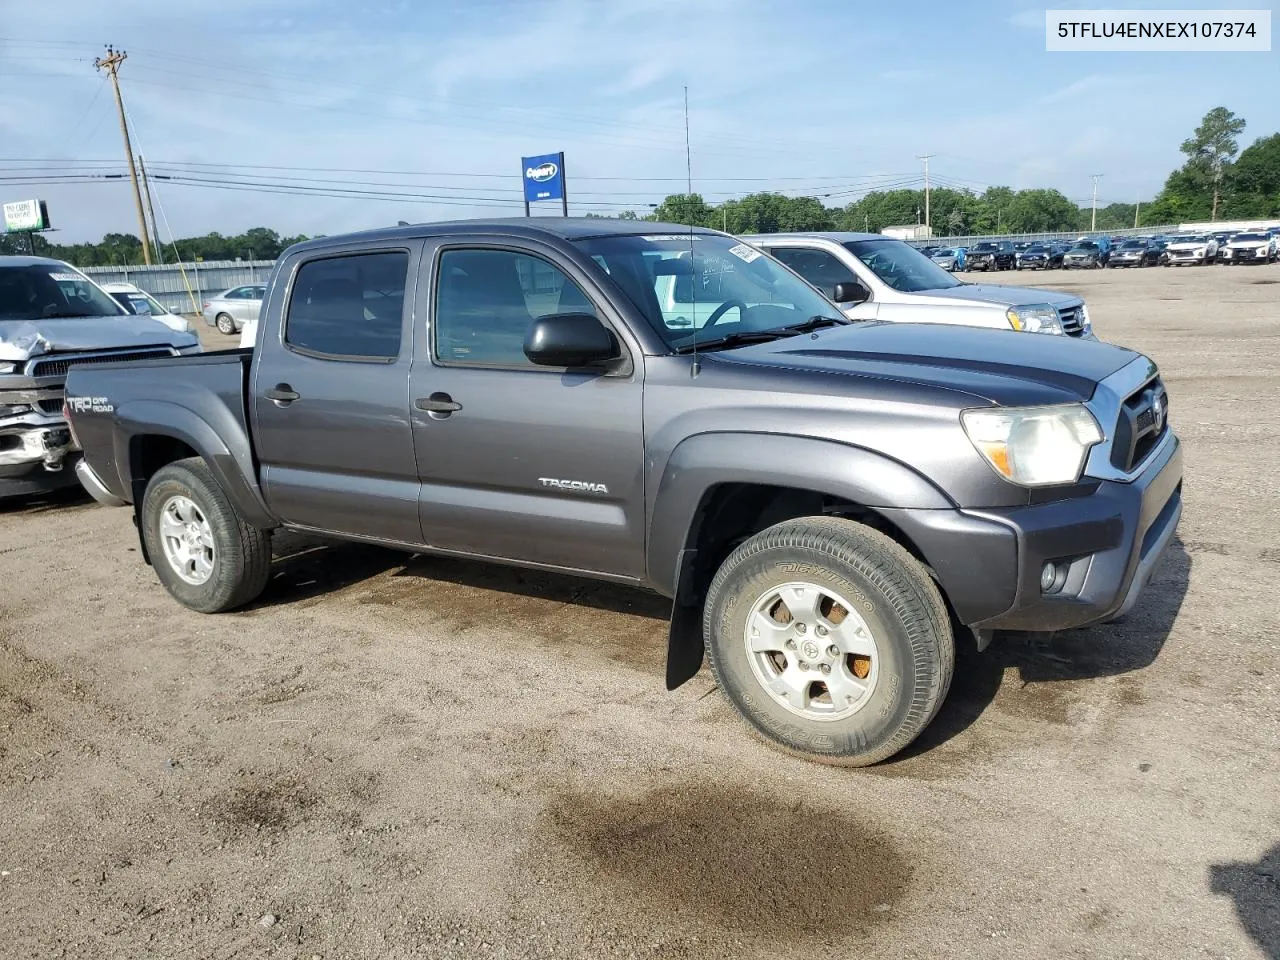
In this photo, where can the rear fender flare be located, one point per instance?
(234, 471)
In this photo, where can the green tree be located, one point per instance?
(687, 208)
(1253, 189)
(1213, 146)
(1036, 211)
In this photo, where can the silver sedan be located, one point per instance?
(233, 308)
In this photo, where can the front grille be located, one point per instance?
(57, 365)
(1072, 319)
(1143, 422)
(52, 405)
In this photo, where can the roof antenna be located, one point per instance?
(696, 368)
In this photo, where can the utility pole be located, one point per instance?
(111, 63)
(1137, 206)
(926, 158)
(1093, 219)
(151, 211)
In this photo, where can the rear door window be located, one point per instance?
(348, 307)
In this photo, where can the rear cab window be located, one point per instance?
(348, 307)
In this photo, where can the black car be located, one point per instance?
(1041, 256)
(992, 255)
(1130, 253)
(1153, 255)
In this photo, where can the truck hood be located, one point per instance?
(999, 367)
(1188, 245)
(23, 339)
(996, 294)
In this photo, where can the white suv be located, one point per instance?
(891, 280)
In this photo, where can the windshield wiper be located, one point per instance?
(763, 336)
(734, 340)
(62, 315)
(816, 323)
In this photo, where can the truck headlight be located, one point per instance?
(1035, 318)
(9, 409)
(1033, 446)
(8, 367)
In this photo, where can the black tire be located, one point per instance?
(897, 601)
(225, 324)
(242, 554)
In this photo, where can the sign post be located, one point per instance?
(544, 179)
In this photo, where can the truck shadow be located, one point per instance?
(304, 567)
(1255, 888)
(1045, 664)
(1044, 661)
(31, 504)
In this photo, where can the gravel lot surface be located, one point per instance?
(391, 756)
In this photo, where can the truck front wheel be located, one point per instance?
(205, 555)
(830, 639)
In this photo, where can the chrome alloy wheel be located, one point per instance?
(812, 651)
(187, 539)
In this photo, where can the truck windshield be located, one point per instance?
(48, 291)
(901, 266)
(140, 303)
(705, 287)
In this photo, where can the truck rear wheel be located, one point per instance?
(205, 555)
(830, 639)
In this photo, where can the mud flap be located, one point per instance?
(684, 641)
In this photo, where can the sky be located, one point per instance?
(421, 111)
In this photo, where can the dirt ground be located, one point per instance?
(391, 756)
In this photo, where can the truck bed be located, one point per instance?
(182, 398)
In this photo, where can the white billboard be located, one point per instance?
(25, 215)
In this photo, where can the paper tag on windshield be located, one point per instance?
(671, 236)
(744, 252)
(66, 276)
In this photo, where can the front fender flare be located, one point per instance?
(702, 462)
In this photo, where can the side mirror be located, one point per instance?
(851, 291)
(569, 340)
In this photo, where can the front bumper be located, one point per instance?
(1259, 255)
(989, 562)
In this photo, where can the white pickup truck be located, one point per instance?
(896, 282)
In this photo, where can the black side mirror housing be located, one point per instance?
(851, 291)
(569, 340)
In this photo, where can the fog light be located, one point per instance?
(1047, 576)
(1053, 575)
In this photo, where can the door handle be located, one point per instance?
(438, 405)
(281, 394)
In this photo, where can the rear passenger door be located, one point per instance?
(330, 394)
(536, 464)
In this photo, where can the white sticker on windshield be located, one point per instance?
(744, 252)
(66, 276)
(672, 236)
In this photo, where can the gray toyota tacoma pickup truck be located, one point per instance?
(825, 501)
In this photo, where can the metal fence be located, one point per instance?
(183, 287)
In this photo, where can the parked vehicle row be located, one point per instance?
(674, 409)
(1095, 252)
